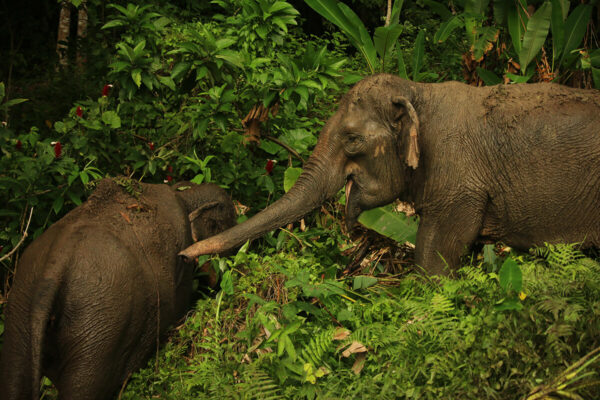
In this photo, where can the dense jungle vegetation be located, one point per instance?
(235, 92)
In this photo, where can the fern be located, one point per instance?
(559, 255)
(257, 384)
(317, 348)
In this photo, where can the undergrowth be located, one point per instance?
(291, 328)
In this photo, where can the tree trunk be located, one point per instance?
(82, 23)
(64, 24)
(388, 17)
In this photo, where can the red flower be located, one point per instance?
(79, 111)
(151, 145)
(169, 178)
(170, 168)
(105, 90)
(57, 149)
(19, 145)
(270, 165)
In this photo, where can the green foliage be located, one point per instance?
(289, 333)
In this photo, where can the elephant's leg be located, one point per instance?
(98, 344)
(442, 240)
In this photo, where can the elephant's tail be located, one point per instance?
(27, 316)
(41, 309)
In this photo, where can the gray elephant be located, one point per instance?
(94, 293)
(512, 163)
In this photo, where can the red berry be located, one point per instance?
(79, 111)
(169, 178)
(170, 168)
(151, 145)
(19, 145)
(270, 165)
(57, 149)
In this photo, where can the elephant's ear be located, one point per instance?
(196, 225)
(404, 110)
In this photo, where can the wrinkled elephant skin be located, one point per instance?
(93, 294)
(513, 163)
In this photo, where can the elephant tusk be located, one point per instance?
(348, 188)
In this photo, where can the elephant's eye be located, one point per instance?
(353, 143)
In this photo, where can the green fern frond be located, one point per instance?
(317, 348)
(559, 255)
(258, 385)
(441, 304)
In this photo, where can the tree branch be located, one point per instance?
(25, 234)
(285, 146)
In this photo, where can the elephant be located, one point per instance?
(96, 291)
(518, 164)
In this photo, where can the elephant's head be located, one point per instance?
(209, 208)
(369, 144)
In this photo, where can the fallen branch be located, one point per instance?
(25, 234)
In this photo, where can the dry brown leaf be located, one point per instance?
(126, 217)
(355, 347)
(359, 363)
(341, 334)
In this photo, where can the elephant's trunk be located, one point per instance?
(322, 177)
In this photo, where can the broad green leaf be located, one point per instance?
(58, 204)
(500, 11)
(446, 28)
(486, 35)
(167, 81)
(290, 177)
(227, 283)
(489, 255)
(557, 25)
(112, 24)
(535, 36)
(396, 9)
(509, 304)
(575, 28)
(363, 282)
(519, 78)
(85, 178)
(488, 77)
(111, 119)
(136, 75)
(13, 102)
(330, 11)
(232, 57)
(394, 225)
(365, 44)
(516, 20)
(401, 66)
(139, 48)
(385, 38)
(74, 198)
(60, 127)
(418, 54)
(595, 58)
(475, 11)
(511, 277)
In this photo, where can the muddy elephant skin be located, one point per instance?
(93, 294)
(513, 163)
